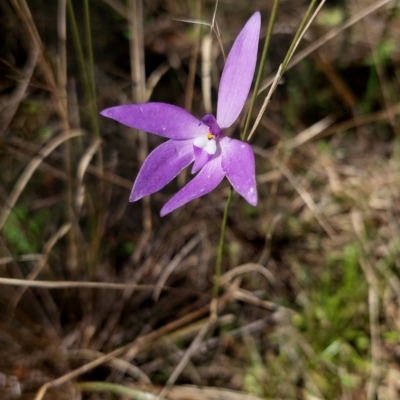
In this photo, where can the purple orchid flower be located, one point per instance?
(199, 141)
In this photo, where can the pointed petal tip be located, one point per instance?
(104, 112)
(256, 18)
(253, 199)
(164, 212)
(238, 72)
(132, 199)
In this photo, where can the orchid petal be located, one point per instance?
(161, 166)
(201, 158)
(204, 182)
(161, 119)
(239, 165)
(238, 73)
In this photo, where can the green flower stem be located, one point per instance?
(261, 66)
(220, 254)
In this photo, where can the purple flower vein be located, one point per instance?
(200, 142)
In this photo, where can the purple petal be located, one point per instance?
(238, 73)
(161, 166)
(162, 119)
(201, 158)
(239, 166)
(205, 181)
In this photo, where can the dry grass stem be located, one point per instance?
(310, 133)
(194, 346)
(173, 264)
(316, 44)
(132, 348)
(193, 61)
(138, 76)
(103, 298)
(116, 363)
(206, 65)
(243, 269)
(30, 169)
(42, 262)
(82, 168)
(11, 104)
(308, 200)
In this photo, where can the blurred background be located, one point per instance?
(309, 300)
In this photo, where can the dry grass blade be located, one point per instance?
(206, 54)
(25, 257)
(193, 62)
(307, 199)
(243, 269)
(41, 263)
(132, 347)
(154, 78)
(138, 76)
(116, 363)
(295, 320)
(373, 305)
(328, 36)
(209, 393)
(173, 264)
(10, 106)
(117, 6)
(275, 83)
(185, 359)
(82, 167)
(30, 169)
(75, 284)
(127, 392)
(357, 121)
(25, 16)
(110, 177)
(248, 297)
(310, 133)
(281, 70)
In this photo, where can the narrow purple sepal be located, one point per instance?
(238, 73)
(201, 158)
(239, 165)
(204, 182)
(161, 119)
(161, 166)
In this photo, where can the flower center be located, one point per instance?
(215, 131)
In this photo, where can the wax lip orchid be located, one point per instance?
(202, 142)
